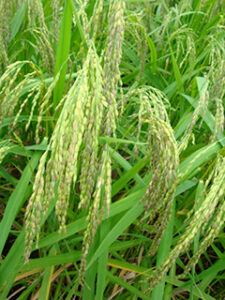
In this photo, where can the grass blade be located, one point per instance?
(63, 51)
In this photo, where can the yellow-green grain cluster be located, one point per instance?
(9, 90)
(208, 218)
(55, 15)
(4, 147)
(31, 91)
(162, 151)
(41, 34)
(5, 31)
(112, 57)
(89, 110)
(76, 127)
(200, 110)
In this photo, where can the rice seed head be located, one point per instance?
(56, 7)
(112, 57)
(39, 29)
(5, 146)
(137, 31)
(219, 119)
(36, 16)
(9, 90)
(208, 215)
(34, 209)
(5, 31)
(93, 93)
(162, 151)
(200, 110)
(85, 100)
(96, 19)
(13, 89)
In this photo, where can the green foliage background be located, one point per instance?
(112, 149)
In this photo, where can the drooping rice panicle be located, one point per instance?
(39, 29)
(205, 216)
(5, 31)
(32, 85)
(5, 145)
(199, 111)
(112, 57)
(62, 165)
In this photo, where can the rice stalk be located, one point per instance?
(162, 150)
(77, 166)
(37, 96)
(209, 216)
(43, 46)
(5, 31)
(39, 29)
(10, 90)
(93, 94)
(219, 120)
(200, 110)
(111, 58)
(55, 21)
(60, 171)
(135, 28)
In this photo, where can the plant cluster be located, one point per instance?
(112, 149)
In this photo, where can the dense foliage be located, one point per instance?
(112, 149)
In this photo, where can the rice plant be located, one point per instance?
(112, 149)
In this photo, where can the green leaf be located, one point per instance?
(176, 71)
(163, 253)
(46, 282)
(122, 181)
(17, 199)
(153, 54)
(209, 119)
(102, 262)
(18, 19)
(51, 260)
(198, 158)
(123, 223)
(132, 289)
(63, 52)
